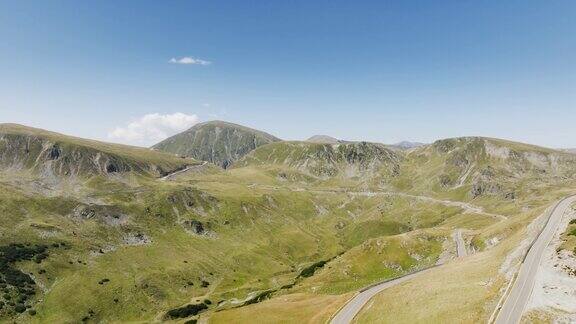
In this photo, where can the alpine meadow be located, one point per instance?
(324, 162)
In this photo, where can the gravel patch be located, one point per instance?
(554, 290)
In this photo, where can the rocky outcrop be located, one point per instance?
(194, 226)
(480, 188)
(109, 215)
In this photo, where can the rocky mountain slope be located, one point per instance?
(470, 167)
(217, 142)
(53, 154)
(347, 160)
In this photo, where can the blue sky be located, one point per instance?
(374, 70)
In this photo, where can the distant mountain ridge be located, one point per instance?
(406, 145)
(323, 139)
(217, 142)
(326, 139)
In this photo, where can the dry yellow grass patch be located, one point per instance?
(294, 308)
(456, 293)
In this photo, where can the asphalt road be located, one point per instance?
(515, 303)
(460, 245)
(353, 307)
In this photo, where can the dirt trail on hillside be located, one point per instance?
(176, 173)
(468, 208)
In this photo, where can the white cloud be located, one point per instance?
(189, 60)
(152, 128)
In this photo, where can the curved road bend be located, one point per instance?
(513, 307)
(353, 307)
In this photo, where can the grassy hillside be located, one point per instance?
(513, 181)
(357, 161)
(288, 233)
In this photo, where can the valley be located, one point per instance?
(227, 224)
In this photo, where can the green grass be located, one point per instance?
(376, 260)
(264, 222)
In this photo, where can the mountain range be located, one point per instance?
(223, 223)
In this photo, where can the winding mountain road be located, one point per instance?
(514, 305)
(353, 307)
(466, 207)
(347, 313)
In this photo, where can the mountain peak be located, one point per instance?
(216, 141)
